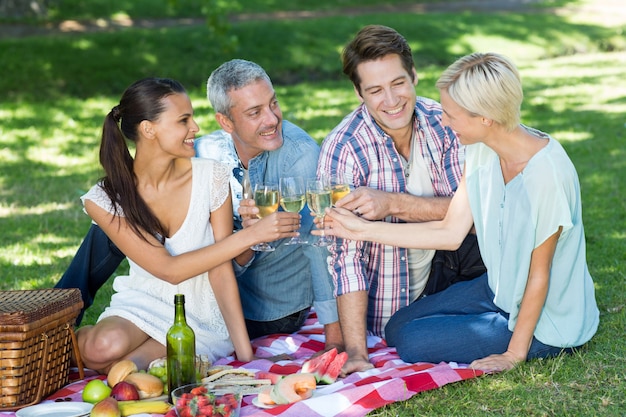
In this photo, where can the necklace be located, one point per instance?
(406, 164)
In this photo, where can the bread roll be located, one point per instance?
(120, 370)
(148, 386)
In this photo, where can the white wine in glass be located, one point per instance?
(292, 199)
(266, 198)
(319, 198)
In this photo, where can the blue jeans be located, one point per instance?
(289, 324)
(95, 261)
(459, 324)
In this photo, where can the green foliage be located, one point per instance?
(55, 91)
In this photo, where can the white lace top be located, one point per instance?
(147, 301)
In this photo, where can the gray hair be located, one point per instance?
(232, 75)
(485, 84)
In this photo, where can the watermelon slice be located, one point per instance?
(318, 365)
(333, 370)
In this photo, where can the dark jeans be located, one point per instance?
(459, 324)
(289, 324)
(96, 260)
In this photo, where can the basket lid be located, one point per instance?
(26, 306)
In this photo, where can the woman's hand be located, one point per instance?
(248, 211)
(278, 225)
(342, 223)
(497, 362)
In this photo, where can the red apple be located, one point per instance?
(125, 391)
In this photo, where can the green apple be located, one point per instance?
(95, 390)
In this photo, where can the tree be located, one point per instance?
(23, 8)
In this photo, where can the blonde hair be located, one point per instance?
(485, 84)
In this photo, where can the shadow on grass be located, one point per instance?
(47, 81)
(292, 51)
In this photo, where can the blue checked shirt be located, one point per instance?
(366, 155)
(276, 284)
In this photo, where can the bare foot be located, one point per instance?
(355, 365)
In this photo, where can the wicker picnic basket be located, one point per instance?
(36, 343)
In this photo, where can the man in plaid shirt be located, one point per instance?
(403, 166)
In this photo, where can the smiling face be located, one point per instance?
(255, 122)
(175, 128)
(469, 128)
(388, 92)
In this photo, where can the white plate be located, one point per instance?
(257, 403)
(60, 409)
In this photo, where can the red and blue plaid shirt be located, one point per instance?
(366, 155)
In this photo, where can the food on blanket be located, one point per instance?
(217, 368)
(326, 367)
(148, 386)
(120, 370)
(196, 400)
(129, 408)
(158, 368)
(108, 407)
(293, 388)
(334, 369)
(228, 377)
(274, 378)
(265, 395)
(230, 374)
(95, 390)
(125, 391)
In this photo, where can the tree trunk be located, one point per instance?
(23, 8)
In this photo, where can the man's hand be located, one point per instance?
(366, 202)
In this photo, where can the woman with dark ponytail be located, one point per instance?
(171, 215)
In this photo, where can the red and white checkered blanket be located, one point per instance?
(391, 379)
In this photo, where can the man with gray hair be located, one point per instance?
(278, 287)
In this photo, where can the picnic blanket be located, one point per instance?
(390, 380)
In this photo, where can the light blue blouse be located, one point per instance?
(513, 219)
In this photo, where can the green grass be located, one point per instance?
(55, 91)
(93, 9)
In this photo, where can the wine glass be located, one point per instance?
(292, 199)
(246, 188)
(318, 195)
(339, 186)
(266, 198)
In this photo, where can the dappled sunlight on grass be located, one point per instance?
(35, 210)
(57, 90)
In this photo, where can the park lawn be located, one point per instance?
(56, 90)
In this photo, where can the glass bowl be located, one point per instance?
(202, 400)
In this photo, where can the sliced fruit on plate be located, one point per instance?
(293, 388)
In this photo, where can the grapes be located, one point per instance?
(160, 371)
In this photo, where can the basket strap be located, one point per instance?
(79, 359)
(42, 378)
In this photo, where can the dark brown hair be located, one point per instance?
(371, 43)
(143, 100)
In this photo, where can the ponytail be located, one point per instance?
(141, 101)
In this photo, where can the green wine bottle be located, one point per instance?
(181, 349)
